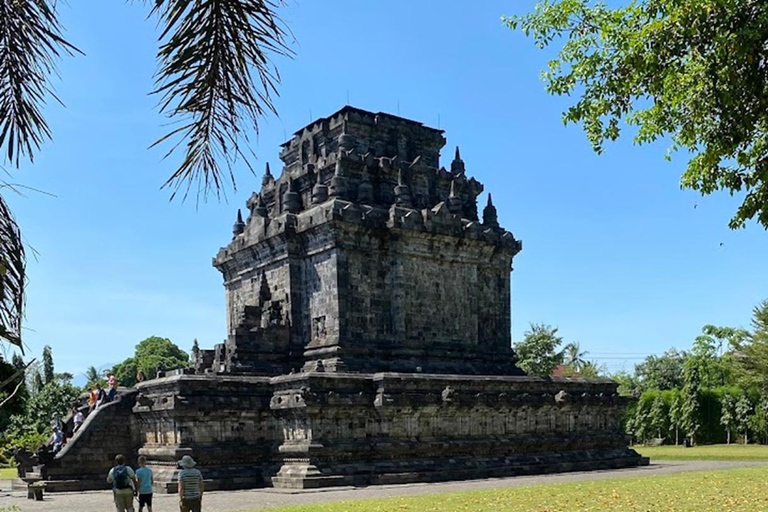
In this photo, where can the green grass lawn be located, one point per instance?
(740, 489)
(7, 473)
(708, 452)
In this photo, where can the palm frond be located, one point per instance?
(216, 79)
(12, 277)
(30, 44)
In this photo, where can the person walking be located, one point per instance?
(124, 485)
(77, 419)
(146, 479)
(92, 397)
(58, 440)
(190, 486)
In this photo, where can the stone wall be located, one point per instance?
(224, 422)
(359, 429)
(318, 429)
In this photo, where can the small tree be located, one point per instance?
(743, 412)
(37, 379)
(727, 416)
(657, 417)
(537, 353)
(758, 421)
(691, 401)
(641, 422)
(48, 371)
(675, 416)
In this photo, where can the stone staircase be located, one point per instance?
(89, 454)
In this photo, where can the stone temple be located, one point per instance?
(368, 312)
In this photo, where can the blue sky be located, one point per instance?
(615, 254)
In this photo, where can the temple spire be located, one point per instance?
(490, 217)
(338, 188)
(239, 226)
(346, 141)
(267, 176)
(261, 208)
(291, 199)
(454, 201)
(457, 166)
(319, 191)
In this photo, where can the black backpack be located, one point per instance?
(122, 480)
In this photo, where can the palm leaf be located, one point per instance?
(30, 44)
(215, 80)
(12, 277)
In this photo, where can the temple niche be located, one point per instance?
(368, 337)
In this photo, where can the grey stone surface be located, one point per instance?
(368, 313)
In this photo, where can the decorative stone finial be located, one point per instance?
(490, 217)
(251, 202)
(261, 207)
(291, 199)
(346, 141)
(338, 188)
(267, 176)
(454, 201)
(457, 166)
(402, 192)
(319, 191)
(239, 226)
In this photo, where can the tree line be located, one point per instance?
(715, 393)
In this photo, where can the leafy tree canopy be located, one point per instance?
(152, 354)
(751, 352)
(661, 372)
(538, 352)
(53, 397)
(691, 70)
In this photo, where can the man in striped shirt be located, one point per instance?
(190, 486)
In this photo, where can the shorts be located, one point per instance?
(145, 499)
(123, 499)
(191, 504)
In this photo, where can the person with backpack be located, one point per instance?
(124, 484)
